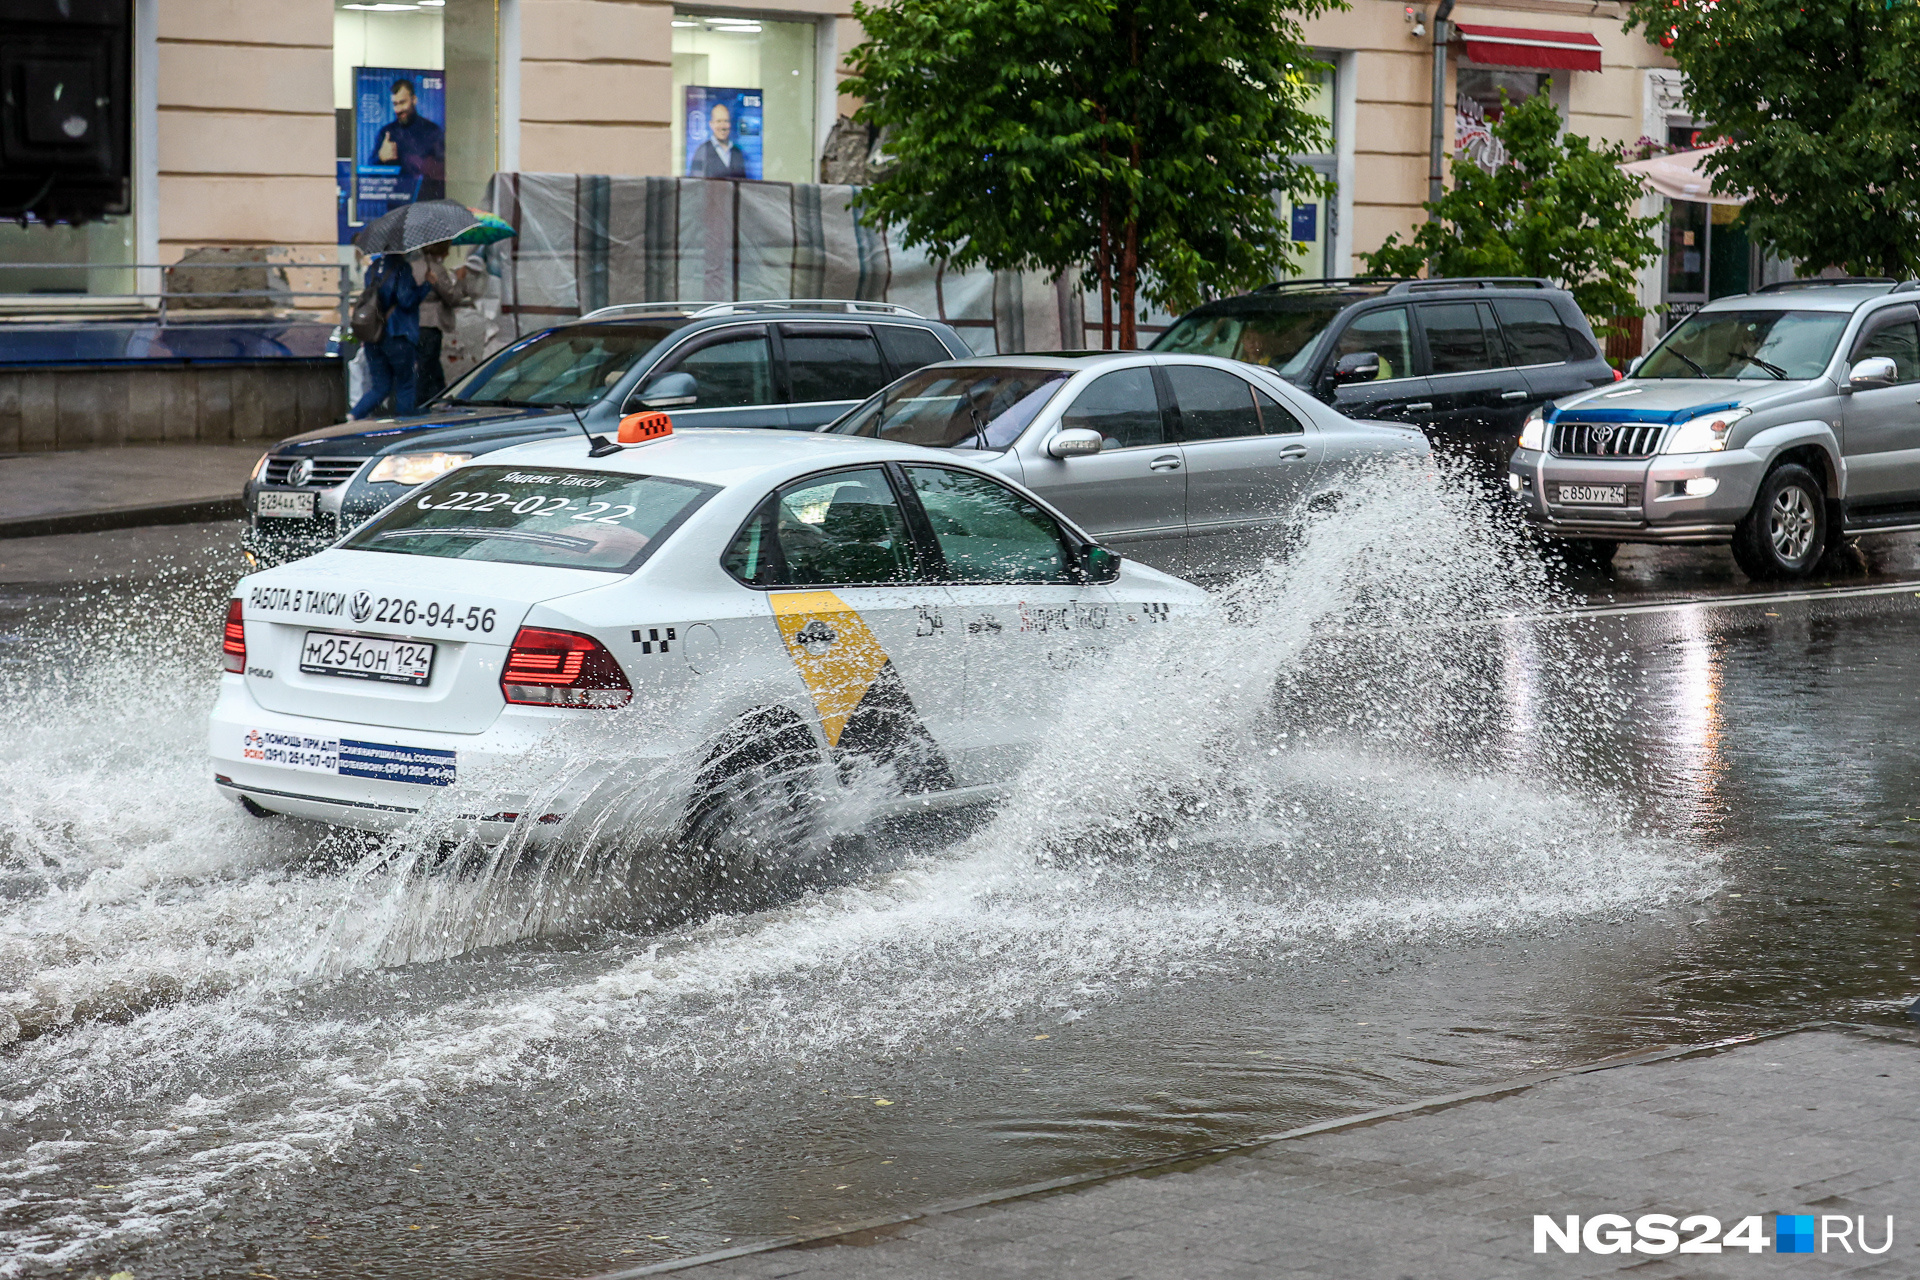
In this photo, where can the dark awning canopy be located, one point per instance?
(1521, 47)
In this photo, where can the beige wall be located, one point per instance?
(245, 125)
(245, 103)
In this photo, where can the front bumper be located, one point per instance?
(381, 779)
(1659, 509)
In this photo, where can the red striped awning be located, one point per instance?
(1520, 47)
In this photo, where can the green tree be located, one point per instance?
(1141, 141)
(1559, 207)
(1820, 102)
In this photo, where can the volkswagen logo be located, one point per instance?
(361, 607)
(301, 472)
(1602, 435)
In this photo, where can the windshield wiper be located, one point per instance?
(525, 404)
(1691, 364)
(1769, 366)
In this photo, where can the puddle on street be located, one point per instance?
(1369, 846)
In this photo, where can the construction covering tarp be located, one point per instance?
(588, 241)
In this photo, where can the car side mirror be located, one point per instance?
(1871, 373)
(1361, 366)
(1633, 365)
(1076, 442)
(668, 391)
(1101, 564)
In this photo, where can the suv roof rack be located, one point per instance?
(1472, 282)
(1281, 286)
(1823, 282)
(752, 306)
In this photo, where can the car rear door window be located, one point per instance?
(1387, 334)
(1213, 404)
(1122, 407)
(1276, 417)
(1897, 340)
(729, 372)
(832, 362)
(987, 532)
(909, 347)
(1533, 330)
(1457, 341)
(843, 529)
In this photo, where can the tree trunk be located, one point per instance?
(1129, 280)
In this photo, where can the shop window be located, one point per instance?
(414, 95)
(743, 98)
(1309, 221)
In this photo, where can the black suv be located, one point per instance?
(1465, 359)
(793, 364)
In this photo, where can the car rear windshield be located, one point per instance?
(1277, 339)
(535, 515)
(956, 408)
(571, 366)
(1747, 344)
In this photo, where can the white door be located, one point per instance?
(1032, 628)
(866, 627)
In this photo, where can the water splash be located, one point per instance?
(1353, 746)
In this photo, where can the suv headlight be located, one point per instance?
(1704, 434)
(413, 468)
(1533, 432)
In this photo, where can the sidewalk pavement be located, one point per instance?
(1819, 1121)
(90, 489)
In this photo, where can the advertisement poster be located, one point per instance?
(723, 132)
(400, 144)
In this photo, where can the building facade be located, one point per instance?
(282, 127)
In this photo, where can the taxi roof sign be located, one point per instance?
(638, 428)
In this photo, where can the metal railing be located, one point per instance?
(162, 298)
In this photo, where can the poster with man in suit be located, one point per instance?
(723, 133)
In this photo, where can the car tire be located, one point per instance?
(756, 812)
(1785, 533)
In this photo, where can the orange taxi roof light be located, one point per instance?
(638, 428)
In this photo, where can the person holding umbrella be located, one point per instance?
(393, 361)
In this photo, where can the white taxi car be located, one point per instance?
(743, 598)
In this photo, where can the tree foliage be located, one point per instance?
(1559, 208)
(1820, 100)
(1141, 141)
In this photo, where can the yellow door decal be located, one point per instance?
(837, 655)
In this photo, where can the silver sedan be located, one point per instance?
(1192, 464)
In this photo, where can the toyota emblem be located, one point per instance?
(1601, 435)
(301, 472)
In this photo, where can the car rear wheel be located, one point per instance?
(757, 812)
(1785, 533)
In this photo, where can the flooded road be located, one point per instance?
(1410, 822)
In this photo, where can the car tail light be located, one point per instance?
(561, 669)
(233, 640)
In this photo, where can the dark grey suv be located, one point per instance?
(793, 364)
(1466, 360)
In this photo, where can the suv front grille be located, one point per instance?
(1606, 439)
(328, 473)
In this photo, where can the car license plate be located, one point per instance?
(1593, 495)
(286, 505)
(328, 653)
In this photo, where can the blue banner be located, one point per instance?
(400, 144)
(723, 133)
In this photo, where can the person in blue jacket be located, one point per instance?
(393, 362)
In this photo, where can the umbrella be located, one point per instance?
(1679, 177)
(424, 222)
(489, 228)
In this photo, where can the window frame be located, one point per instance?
(895, 371)
(1560, 322)
(783, 377)
(930, 562)
(1175, 421)
(1495, 340)
(1872, 323)
(699, 340)
(1416, 345)
(1162, 397)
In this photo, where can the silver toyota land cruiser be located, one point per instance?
(1779, 422)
